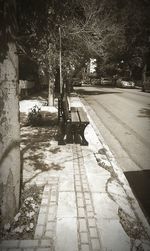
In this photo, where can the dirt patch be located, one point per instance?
(23, 224)
(133, 228)
(102, 151)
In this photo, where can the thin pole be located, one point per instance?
(60, 63)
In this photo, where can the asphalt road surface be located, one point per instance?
(124, 122)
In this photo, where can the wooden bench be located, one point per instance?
(74, 122)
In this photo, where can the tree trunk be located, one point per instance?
(144, 73)
(9, 136)
(51, 92)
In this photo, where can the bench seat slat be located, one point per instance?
(74, 109)
(74, 117)
(82, 115)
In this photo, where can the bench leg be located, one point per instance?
(61, 135)
(77, 138)
(81, 132)
(69, 134)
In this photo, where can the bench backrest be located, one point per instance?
(74, 114)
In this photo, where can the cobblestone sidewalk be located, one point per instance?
(72, 206)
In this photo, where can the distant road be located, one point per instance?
(124, 122)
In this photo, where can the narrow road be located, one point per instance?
(123, 118)
(124, 122)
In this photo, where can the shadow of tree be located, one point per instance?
(40, 95)
(11, 146)
(34, 142)
(139, 182)
(95, 92)
(46, 119)
(43, 135)
(44, 169)
(144, 112)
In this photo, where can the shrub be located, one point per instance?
(35, 117)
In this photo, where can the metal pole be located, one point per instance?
(60, 81)
(60, 63)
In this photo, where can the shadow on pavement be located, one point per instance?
(144, 113)
(140, 184)
(95, 92)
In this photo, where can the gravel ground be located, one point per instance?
(33, 138)
(24, 222)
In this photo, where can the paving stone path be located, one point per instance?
(88, 235)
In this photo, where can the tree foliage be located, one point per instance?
(110, 31)
(8, 25)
